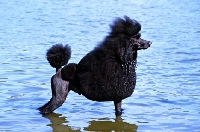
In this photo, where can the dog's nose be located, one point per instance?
(149, 43)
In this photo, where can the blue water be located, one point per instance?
(168, 73)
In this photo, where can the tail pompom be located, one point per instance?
(58, 55)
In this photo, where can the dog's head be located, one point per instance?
(129, 28)
(127, 33)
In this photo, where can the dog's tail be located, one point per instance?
(58, 55)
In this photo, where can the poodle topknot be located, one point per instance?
(125, 26)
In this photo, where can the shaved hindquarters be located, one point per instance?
(60, 89)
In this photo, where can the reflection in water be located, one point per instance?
(59, 123)
(104, 125)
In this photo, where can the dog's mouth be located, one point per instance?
(139, 43)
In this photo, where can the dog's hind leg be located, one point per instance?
(118, 109)
(60, 90)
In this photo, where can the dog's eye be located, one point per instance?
(137, 36)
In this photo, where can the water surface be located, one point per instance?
(166, 97)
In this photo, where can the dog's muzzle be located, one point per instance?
(139, 43)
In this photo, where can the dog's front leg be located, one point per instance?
(118, 109)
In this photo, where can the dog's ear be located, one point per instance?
(126, 54)
(68, 71)
(121, 54)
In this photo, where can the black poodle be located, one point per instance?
(107, 73)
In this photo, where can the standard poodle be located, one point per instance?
(107, 73)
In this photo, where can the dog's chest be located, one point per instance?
(129, 67)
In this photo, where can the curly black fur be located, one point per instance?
(126, 27)
(68, 71)
(58, 55)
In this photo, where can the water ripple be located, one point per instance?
(166, 96)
